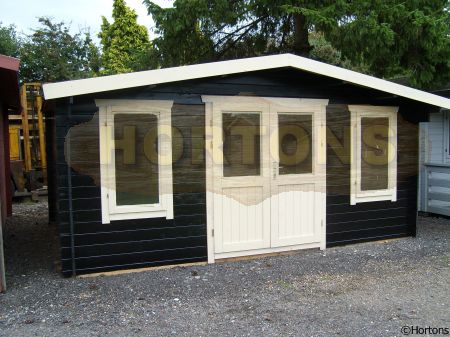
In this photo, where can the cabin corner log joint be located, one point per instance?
(266, 154)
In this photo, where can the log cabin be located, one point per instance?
(227, 159)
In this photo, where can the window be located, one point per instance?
(241, 144)
(373, 153)
(295, 143)
(135, 159)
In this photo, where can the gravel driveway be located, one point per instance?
(370, 289)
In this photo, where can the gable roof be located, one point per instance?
(183, 73)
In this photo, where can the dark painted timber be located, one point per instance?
(370, 220)
(89, 246)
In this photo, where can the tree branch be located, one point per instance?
(234, 42)
(251, 24)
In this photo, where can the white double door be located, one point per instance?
(265, 174)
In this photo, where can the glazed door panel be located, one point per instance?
(267, 170)
(241, 173)
(298, 175)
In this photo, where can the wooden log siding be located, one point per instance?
(371, 220)
(151, 242)
(128, 243)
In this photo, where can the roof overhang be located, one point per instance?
(197, 71)
(9, 63)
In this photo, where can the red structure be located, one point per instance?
(9, 102)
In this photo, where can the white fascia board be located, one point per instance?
(183, 73)
(367, 81)
(159, 76)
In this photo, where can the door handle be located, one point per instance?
(275, 169)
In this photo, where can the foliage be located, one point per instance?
(125, 43)
(323, 51)
(394, 38)
(385, 38)
(9, 41)
(51, 54)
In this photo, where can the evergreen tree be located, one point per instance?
(124, 42)
(385, 38)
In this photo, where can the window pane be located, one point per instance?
(295, 143)
(374, 153)
(241, 144)
(136, 165)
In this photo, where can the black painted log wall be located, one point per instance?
(370, 220)
(128, 243)
(88, 246)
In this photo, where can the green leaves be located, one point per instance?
(394, 39)
(9, 41)
(385, 38)
(125, 43)
(51, 54)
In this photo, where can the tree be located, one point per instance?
(385, 38)
(323, 51)
(51, 54)
(124, 42)
(9, 41)
(393, 38)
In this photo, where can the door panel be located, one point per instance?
(268, 174)
(243, 218)
(291, 203)
(298, 179)
(241, 169)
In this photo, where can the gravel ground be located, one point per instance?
(370, 289)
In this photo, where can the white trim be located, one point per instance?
(267, 250)
(280, 101)
(209, 180)
(214, 165)
(162, 109)
(356, 194)
(183, 73)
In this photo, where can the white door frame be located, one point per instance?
(316, 179)
(315, 105)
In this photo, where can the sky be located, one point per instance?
(80, 13)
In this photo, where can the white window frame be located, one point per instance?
(110, 210)
(446, 133)
(356, 194)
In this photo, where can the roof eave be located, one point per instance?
(176, 74)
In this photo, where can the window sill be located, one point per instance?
(140, 215)
(378, 196)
